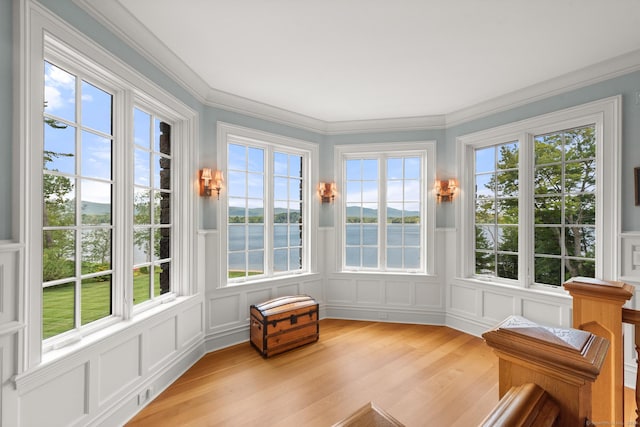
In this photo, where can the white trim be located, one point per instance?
(270, 141)
(607, 116)
(119, 21)
(40, 32)
(427, 152)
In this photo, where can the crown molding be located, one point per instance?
(119, 21)
(599, 72)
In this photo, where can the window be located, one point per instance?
(543, 208)
(103, 194)
(385, 215)
(77, 202)
(268, 209)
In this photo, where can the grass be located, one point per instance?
(58, 302)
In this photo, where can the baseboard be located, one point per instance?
(467, 325)
(128, 405)
(385, 314)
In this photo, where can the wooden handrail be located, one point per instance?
(524, 405)
(564, 363)
(633, 317)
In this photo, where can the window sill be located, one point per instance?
(549, 291)
(75, 351)
(272, 279)
(404, 274)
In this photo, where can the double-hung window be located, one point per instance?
(539, 203)
(268, 209)
(104, 199)
(385, 215)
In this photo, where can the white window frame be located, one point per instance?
(228, 133)
(43, 36)
(605, 114)
(426, 150)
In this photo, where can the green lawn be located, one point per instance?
(58, 302)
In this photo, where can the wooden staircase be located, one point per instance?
(566, 377)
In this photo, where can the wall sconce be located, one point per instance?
(210, 182)
(327, 191)
(445, 190)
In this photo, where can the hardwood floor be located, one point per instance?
(418, 374)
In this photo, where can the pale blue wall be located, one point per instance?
(6, 115)
(446, 150)
(626, 85)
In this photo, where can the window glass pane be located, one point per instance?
(411, 258)
(548, 270)
(394, 257)
(237, 157)
(369, 169)
(352, 256)
(507, 266)
(59, 200)
(580, 241)
(59, 92)
(237, 211)
(548, 180)
(59, 254)
(141, 171)
(96, 108)
(164, 272)
(580, 209)
(485, 160)
(370, 235)
(237, 184)
(353, 169)
(237, 264)
(162, 213)
(256, 237)
(580, 177)
(508, 238)
(280, 260)
(96, 156)
(548, 210)
(236, 237)
(412, 168)
(256, 185)
(96, 250)
(256, 262)
(295, 235)
(583, 268)
(547, 240)
(280, 236)
(485, 263)
(548, 149)
(256, 160)
(59, 147)
(141, 284)
(580, 143)
(96, 298)
(58, 313)
(295, 259)
(496, 204)
(370, 257)
(142, 129)
(161, 243)
(141, 206)
(280, 188)
(256, 211)
(353, 234)
(394, 168)
(96, 202)
(141, 245)
(295, 166)
(412, 235)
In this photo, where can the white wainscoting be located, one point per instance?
(227, 316)
(407, 298)
(475, 306)
(102, 380)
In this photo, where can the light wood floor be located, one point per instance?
(414, 372)
(420, 375)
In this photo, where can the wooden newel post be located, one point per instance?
(563, 362)
(597, 308)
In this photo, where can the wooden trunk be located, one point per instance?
(283, 323)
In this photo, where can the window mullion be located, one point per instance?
(268, 210)
(526, 212)
(382, 211)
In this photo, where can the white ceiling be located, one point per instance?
(345, 60)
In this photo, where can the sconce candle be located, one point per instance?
(327, 191)
(445, 190)
(210, 182)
